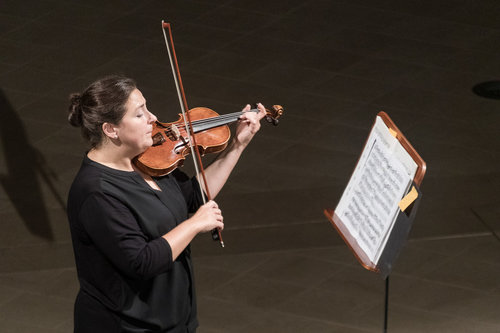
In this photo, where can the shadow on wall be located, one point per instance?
(25, 168)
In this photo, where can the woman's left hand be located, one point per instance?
(249, 124)
(218, 172)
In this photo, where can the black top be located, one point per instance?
(128, 281)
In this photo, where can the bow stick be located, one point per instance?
(216, 233)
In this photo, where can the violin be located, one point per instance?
(172, 142)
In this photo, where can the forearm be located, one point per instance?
(218, 172)
(180, 237)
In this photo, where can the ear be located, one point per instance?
(110, 130)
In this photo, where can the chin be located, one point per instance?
(147, 145)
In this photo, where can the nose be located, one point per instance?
(152, 117)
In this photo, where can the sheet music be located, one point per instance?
(369, 204)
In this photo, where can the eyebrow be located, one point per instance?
(142, 105)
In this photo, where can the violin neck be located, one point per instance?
(208, 123)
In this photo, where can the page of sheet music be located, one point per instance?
(369, 204)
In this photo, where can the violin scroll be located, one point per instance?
(273, 114)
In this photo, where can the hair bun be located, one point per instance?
(75, 110)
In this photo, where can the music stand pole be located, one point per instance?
(386, 312)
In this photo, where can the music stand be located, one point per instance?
(398, 233)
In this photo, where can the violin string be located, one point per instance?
(212, 120)
(216, 119)
(219, 118)
(208, 121)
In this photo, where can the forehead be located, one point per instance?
(135, 100)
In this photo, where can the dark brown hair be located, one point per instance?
(103, 101)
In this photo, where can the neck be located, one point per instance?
(208, 123)
(111, 157)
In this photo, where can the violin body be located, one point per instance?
(171, 142)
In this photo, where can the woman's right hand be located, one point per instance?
(208, 217)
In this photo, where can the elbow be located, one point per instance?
(152, 260)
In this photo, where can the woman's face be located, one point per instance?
(134, 130)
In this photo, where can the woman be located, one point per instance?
(131, 232)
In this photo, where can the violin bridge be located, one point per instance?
(173, 133)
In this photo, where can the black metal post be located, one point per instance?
(386, 311)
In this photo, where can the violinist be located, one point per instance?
(131, 231)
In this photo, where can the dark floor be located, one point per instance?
(333, 65)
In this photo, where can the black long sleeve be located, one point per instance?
(124, 264)
(112, 228)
